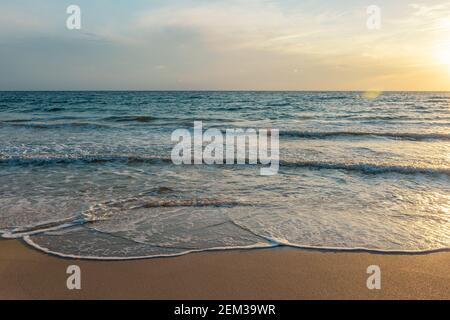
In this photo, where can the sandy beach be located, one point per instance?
(260, 274)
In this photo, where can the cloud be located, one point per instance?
(19, 21)
(235, 25)
(427, 10)
(218, 44)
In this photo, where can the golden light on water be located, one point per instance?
(446, 210)
(371, 94)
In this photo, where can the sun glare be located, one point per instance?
(443, 53)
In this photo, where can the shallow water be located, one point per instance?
(88, 174)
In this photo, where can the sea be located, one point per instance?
(89, 174)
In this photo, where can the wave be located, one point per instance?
(162, 120)
(171, 203)
(107, 210)
(437, 100)
(367, 167)
(392, 118)
(257, 246)
(35, 245)
(327, 97)
(391, 135)
(54, 109)
(278, 104)
(76, 158)
(111, 122)
(131, 118)
(16, 121)
(41, 228)
(23, 124)
(384, 118)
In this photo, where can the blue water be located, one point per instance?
(88, 174)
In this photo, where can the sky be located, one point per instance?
(225, 45)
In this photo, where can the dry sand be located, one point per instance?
(260, 274)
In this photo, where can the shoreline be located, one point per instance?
(31, 244)
(266, 274)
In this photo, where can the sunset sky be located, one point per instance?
(225, 45)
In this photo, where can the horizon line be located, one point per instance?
(215, 90)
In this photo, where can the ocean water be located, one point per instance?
(88, 174)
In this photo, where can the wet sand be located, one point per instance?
(259, 274)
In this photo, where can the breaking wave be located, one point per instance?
(390, 135)
(367, 168)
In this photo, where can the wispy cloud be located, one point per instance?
(226, 44)
(234, 25)
(14, 20)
